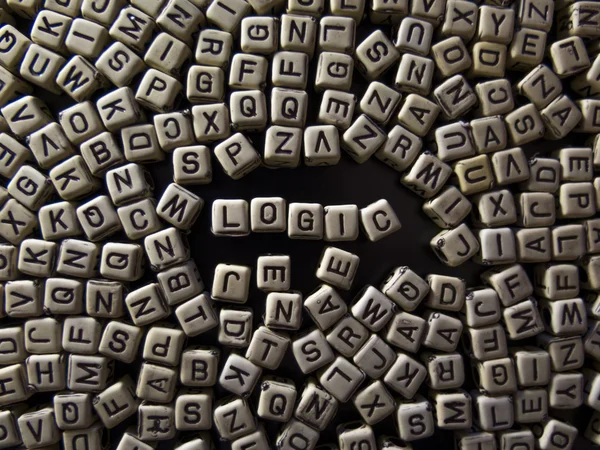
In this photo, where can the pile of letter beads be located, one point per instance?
(107, 317)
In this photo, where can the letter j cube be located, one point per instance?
(231, 283)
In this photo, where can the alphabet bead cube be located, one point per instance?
(325, 306)
(120, 341)
(526, 49)
(348, 336)
(362, 139)
(196, 316)
(235, 327)
(26, 115)
(298, 33)
(334, 71)
(267, 348)
(341, 379)
(312, 351)
(455, 246)
(569, 56)
(231, 283)
(337, 108)
(41, 420)
(118, 63)
(239, 375)
(193, 410)
(237, 156)
(146, 305)
(86, 38)
(133, 28)
(375, 55)
(227, 15)
(414, 35)
(405, 376)
(16, 222)
(375, 357)
(321, 145)
(158, 91)
(79, 78)
(338, 267)
(337, 34)
(116, 403)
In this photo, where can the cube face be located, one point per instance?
(46, 77)
(449, 208)
(371, 411)
(29, 187)
(407, 40)
(312, 351)
(563, 383)
(147, 417)
(305, 221)
(231, 283)
(453, 410)
(158, 91)
(186, 410)
(283, 145)
(230, 377)
(418, 409)
(321, 145)
(283, 310)
(211, 122)
(379, 220)
(495, 97)
(261, 351)
(325, 306)
(375, 357)
(49, 434)
(396, 377)
(274, 273)
(446, 371)
(415, 74)
(277, 399)
(451, 56)
(199, 366)
(379, 102)
(375, 55)
(455, 246)
(348, 336)
(268, 214)
(237, 156)
(362, 139)
(306, 412)
(130, 63)
(167, 54)
(338, 267)
(197, 315)
(147, 389)
(337, 108)
(259, 35)
(289, 107)
(248, 111)
(406, 331)
(90, 82)
(373, 309)
(179, 207)
(111, 347)
(235, 327)
(341, 386)
(137, 303)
